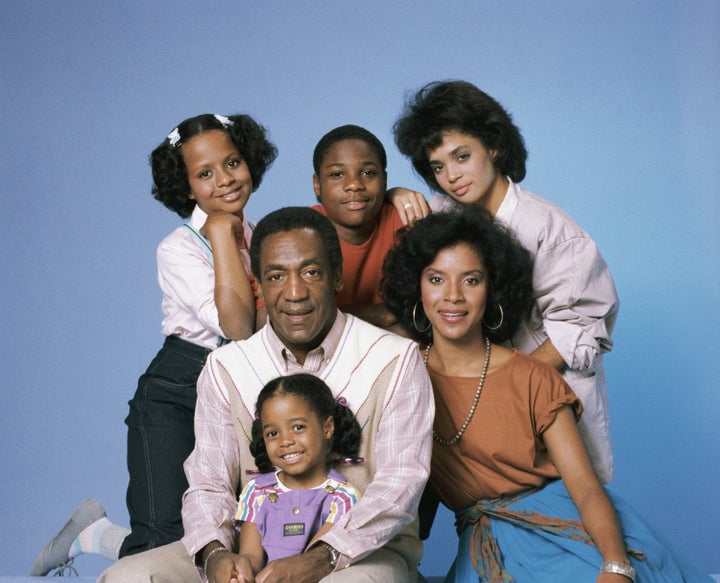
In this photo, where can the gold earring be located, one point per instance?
(429, 325)
(502, 317)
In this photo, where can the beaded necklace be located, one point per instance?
(470, 414)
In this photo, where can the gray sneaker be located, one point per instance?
(55, 553)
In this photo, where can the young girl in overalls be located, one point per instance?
(204, 170)
(301, 432)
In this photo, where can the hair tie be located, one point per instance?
(174, 137)
(346, 461)
(225, 121)
(342, 401)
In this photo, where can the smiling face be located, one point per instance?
(219, 177)
(351, 185)
(298, 286)
(454, 294)
(297, 441)
(464, 169)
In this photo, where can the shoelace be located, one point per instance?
(66, 569)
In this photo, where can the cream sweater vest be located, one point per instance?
(365, 369)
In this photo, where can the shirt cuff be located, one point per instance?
(575, 345)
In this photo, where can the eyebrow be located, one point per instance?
(280, 267)
(452, 153)
(363, 163)
(291, 420)
(468, 272)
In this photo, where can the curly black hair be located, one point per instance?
(170, 182)
(444, 106)
(346, 438)
(508, 263)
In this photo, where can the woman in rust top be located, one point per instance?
(508, 458)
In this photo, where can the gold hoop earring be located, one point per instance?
(502, 317)
(429, 325)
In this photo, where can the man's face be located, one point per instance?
(298, 286)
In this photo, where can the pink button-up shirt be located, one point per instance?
(403, 448)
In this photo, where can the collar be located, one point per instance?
(198, 217)
(509, 203)
(315, 358)
(271, 481)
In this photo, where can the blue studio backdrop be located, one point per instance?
(617, 101)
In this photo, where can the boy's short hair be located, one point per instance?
(348, 132)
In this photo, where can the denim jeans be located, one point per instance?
(160, 437)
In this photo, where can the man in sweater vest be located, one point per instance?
(297, 261)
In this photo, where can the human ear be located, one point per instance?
(339, 280)
(329, 427)
(316, 187)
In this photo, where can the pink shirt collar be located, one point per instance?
(316, 358)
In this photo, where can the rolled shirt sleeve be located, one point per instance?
(576, 303)
(576, 298)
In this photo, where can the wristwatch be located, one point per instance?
(334, 553)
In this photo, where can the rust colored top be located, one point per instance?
(362, 264)
(502, 451)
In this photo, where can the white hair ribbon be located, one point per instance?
(174, 137)
(225, 121)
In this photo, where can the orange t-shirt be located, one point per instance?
(362, 264)
(502, 451)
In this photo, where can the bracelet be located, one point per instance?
(619, 569)
(210, 554)
(334, 553)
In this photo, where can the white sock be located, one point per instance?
(102, 537)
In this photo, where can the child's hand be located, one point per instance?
(411, 205)
(220, 567)
(308, 567)
(243, 571)
(220, 225)
(227, 567)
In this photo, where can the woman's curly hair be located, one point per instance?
(170, 181)
(508, 263)
(444, 106)
(345, 442)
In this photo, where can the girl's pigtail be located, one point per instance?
(347, 431)
(258, 449)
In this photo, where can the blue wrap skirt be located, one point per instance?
(537, 536)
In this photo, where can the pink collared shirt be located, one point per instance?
(403, 448)
(576, 306)
(187, 279)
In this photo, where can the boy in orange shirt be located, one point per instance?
(350, 181)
